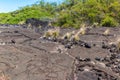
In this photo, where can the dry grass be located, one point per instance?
(68, 35)
(82, 30)
(118, 46)
(29, 25)
(106, 32)
(3, 76)
(95, 24)
(118, 43)
(53, 33)
(76, 37)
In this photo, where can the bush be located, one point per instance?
(25, 13)
(109, 22)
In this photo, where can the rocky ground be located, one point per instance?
(26, 55)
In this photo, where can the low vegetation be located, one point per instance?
(76, 37)
(68, 35)
(3, 76)
(41, 10)
(107, 32)
(52, 33)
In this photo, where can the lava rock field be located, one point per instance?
(26, 55)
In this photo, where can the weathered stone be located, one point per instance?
(87, 45)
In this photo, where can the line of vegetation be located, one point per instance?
(41, 10)
(70, 13)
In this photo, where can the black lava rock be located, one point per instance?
(68, 46)
(82, 44)
(78, 58)
(108, 65)
(98, 59)
(13, 41)
(107, 59)
(54, 39)
(94, 45)
(118, 56)
(86, 45)
(113, 56)
(80, 69)
(104, 46)
(16, 31)
(87, 59)
(36, 22)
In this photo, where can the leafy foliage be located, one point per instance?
(39, 11)
(103, 12)
(109, 21)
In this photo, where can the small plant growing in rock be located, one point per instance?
(48, 33)
(53, 33)
(118, 43)
(3, 76)
(82, 30)
(95, 24)
(76, 37)
(107, 31)
(29, 26)
(68, 35)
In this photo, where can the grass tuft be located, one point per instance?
(106, 32)
(3, 76)
(53, 33)
(68, 35)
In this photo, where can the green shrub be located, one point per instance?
(109, 22)
(24, 13)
